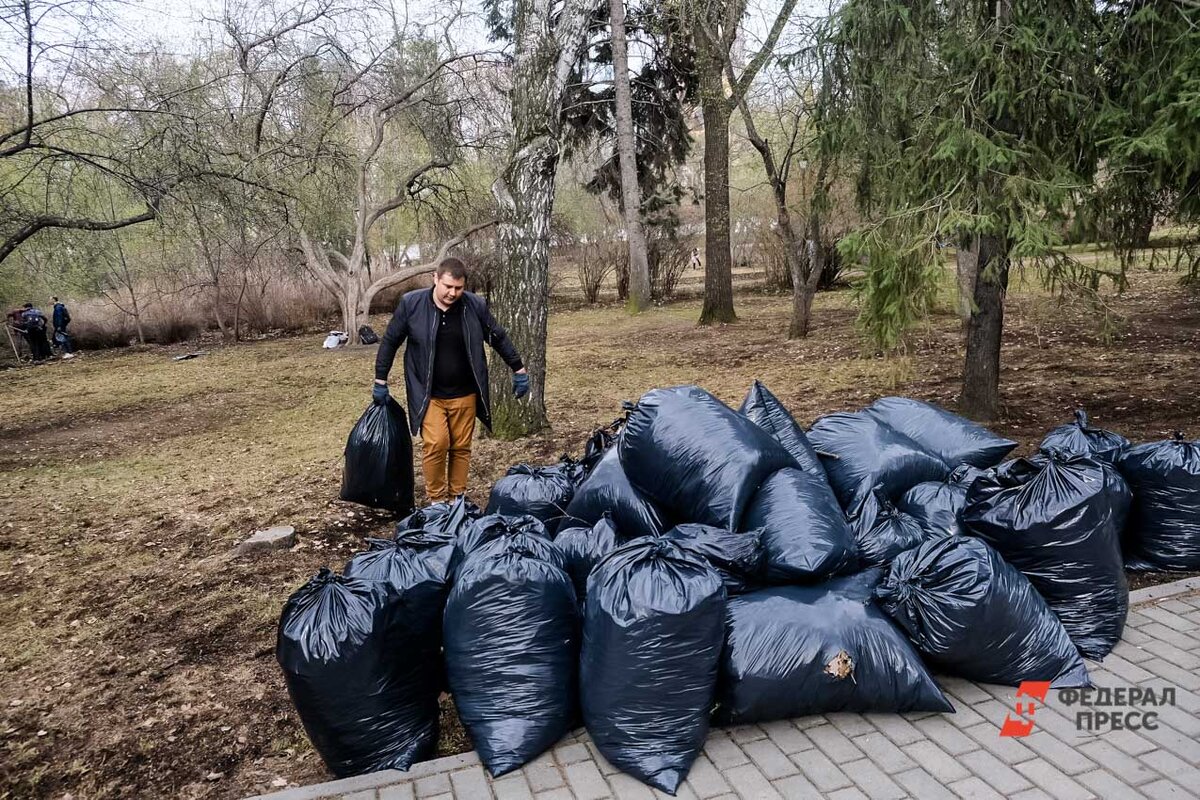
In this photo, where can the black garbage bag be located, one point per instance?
(1057, 517)
(363, 673)
(512, 649)
(804, 534)
(791, 651)
(882, 531)
(1080, 437)
(954, 439)
(973, 615)
(764, 410)
(607, 489)
(413, 558)
(652, 638)
(582, 549)
(603, 439)
(857, 450)
(937, 505)
(378, 468)
(1163, 531)
(489, 528)
(542, 492)
(442, 517)
(696, 457)
(738, 557)
(367, 335)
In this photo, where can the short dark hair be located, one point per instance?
(27, 305)
(53, 298)
(453, 267)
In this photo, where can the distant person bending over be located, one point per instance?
(445, 372)
(61, 318)
(35, 332)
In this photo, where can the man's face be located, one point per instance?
(447, 288)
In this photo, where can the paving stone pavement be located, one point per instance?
(893, 756)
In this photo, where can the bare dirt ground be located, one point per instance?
(137, 659)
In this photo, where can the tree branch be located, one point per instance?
(399, 276)
(53, 221)
(740, 88)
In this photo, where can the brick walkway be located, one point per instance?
(886, 756)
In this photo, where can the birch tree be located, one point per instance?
(547, 41)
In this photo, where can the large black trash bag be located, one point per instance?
(857, 450)
(882, 531)
(363, 673)
(973, 615)
(696, 457)
(764, 410)
(511, 635)
(378, 468)
(583, 548)
(791, 651)
(737, 557)
(489, 528)
(804, 534)
(954, 439)
(542, 492)
(1163, 531)
(1057, 517)
(1080, 437)
(652, 638)
(442, 517)
(938, 505)
(607, 489)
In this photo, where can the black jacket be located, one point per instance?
(416, 319)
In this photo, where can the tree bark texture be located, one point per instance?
(548, 44)
(631, 194)
(804, 284)
(966, 261)
(718, 269)
(985, 328)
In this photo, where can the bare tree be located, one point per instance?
(804, 253)
(715, 27)
(367, 130)
(88, 122)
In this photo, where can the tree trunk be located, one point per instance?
(804, 285)
(237, 309)
(520, 294)
(631, 195)
(547, 48)
(967, 266)
(718, 271)
(985, 328)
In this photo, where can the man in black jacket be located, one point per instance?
(445, 372)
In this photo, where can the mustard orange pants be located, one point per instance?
(446, 435)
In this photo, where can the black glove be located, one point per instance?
(520, 384)
(379, 393)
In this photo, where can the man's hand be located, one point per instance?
(520, 384)
(379, 392)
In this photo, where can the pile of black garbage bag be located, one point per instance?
(702, 565)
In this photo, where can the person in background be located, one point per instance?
(61, 318)
(445, 372)
(34, 322)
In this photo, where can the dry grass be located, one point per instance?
(137, 659)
